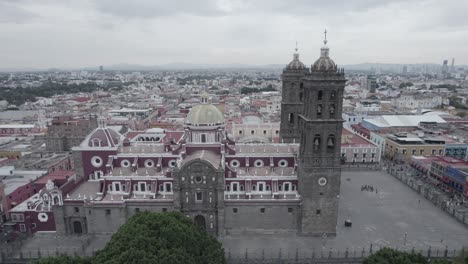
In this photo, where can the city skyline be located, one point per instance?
(66, 34)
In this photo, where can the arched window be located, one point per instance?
(332, 110)
(291, 118)
(331, 142)
(203, 138)
(332, 95)
(319, 95)
(319, 110)
(317, 142)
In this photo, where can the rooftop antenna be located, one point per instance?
(296, 47)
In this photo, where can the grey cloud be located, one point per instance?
(10, 12)
(158, 8)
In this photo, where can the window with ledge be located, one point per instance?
(290, 209)
(262, 210)
(261, 186)
(198, 197)
(318, 211)
(168, 187)
(142, 186)
(234, 210)
(116, 186)
(235, 186)
(287, 186)
(108, 212)
(421, 152)
(137, 210)
(22, 227)
(77, 210)
(164, 210)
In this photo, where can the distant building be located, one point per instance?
(402, 146)
(371, 83)
(446, 172)
(101, 68)
(356, 149)
(66, 132)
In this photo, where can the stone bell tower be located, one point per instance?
(319, 154)
(292, 99)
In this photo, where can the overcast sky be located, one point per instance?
(80, 33)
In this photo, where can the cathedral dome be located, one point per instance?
(204, 115)
(324, 63)
(102, 137)
(295, 64)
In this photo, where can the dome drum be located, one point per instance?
(205, 115)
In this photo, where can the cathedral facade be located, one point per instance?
(226, 187)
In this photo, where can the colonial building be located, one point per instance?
(226, 187)
(66, 132)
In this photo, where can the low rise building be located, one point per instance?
(356, 149)
(66, 132)
(401, 146)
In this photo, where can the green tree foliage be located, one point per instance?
(247, 90)
(405, 84)
(392, 256)
(456, 102)
(157, 238)
(19, 96)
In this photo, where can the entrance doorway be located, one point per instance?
(200, 221)
(77, 229)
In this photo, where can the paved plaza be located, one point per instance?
(380, 219)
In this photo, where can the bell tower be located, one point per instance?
(292, 99)
(319, 155)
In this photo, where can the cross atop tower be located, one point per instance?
(296, 47)
(325, 40)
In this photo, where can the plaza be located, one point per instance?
(379, 218)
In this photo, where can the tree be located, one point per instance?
(157, 238)
(391, 256)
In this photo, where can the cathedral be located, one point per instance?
(226, 187)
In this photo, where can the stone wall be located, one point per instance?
(261, 217)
